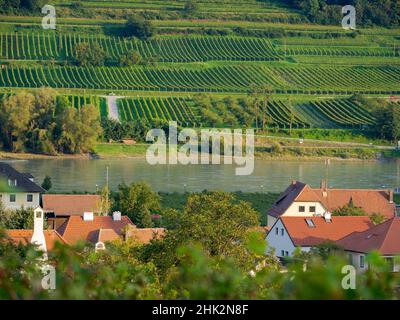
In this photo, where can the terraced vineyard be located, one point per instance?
(227, 78)
(332, 113)
(78, 101)
(171, 109)
(44, 46)
(346, 51)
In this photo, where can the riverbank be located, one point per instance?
(271, 152)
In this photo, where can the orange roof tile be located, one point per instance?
(339, 227)
(384, 237)
(71, 204)
(25, 236)
(76, 229)
(145, 235)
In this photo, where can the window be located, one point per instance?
(312, 209)
(12, 197)
(282, 253)
(302, 209)
(39, 215)
(362, 262)
(287, 253)
(29, 197)
(310, 223)
(276, 231)
(282, 232)
(390, 264)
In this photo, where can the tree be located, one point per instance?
(137, 26)
(16, 219)
(46, 184)
(15, 117)
(105, 202)
(387, 123)
(190, 8)
(130, 58)
(216, 221)
(377, 218)
(89, 54)
(138, 202)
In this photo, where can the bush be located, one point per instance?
(137, 26)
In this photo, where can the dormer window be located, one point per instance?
(310, 223)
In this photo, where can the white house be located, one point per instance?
(289, 233)
(300, 200)
(17, 189)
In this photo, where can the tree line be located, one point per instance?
(44, 122)
(384, 13)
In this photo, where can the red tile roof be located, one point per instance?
(76, 229)
(25, 236)
(384, 237)
(144, 235)
(71, 204)
(339, 227)
(371, 201)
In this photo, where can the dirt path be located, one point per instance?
(113, 108)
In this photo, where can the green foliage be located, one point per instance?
(349, 210)
(377, 218)
(138, 201)
(40, 123)
(89, 54)
(190, 7)
(137, 26)
(387, 124)
(214, 220)
(16, 219)
(369, 12)
(46, 184)
(129, 58)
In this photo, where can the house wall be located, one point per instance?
(293, 210)
(355, 261)
(280, 242)
(20, 200)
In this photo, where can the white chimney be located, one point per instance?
(88, 216)
(117, 216)
(328, 216)
(38, 234)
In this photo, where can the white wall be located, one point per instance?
(279, 242)
(356, 261)
(293, 210)
(20, 200)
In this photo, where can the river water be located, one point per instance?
(269, 175)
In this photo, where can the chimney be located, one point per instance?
(391, 200)
(116, 216)
(294, 182)
(88, 216)
(328, 216)
(38, 234)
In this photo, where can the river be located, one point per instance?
(269, 175)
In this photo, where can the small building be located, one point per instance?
(18, 190)
(289, 233)
(384, 238)
(59, 207)
(300, 200)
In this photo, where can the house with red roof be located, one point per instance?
(300, 200)
(59, 207)
(101, 229)
(291, 232)
(383, 238)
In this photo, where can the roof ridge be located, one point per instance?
(391, 222)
